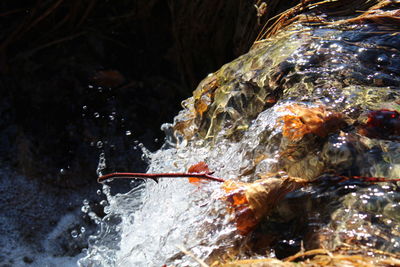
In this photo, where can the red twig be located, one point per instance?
(131, 175)
(370, 179)
(208, 176)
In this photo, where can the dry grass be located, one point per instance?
(320, 257)
(334, 12)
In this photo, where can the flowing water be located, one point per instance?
(158, 220)
(234, 123)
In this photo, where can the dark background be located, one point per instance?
(67, 66)
(83, 77)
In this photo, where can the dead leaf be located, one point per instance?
(200, 167)
(250, 202)
(306, 120)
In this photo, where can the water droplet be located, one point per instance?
(99, 144)
(90, 86)
(62, 171)
(84, 107)
(128, 133)
(106, 190)
(111, 117)
(74, 234)
(96, 115)
(85, 209)
(101, 165)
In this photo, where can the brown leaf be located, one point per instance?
(305, 120)
(250, 202)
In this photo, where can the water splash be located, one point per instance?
(234, 123)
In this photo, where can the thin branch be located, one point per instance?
(131, 175)
(208, 176)
(64, 39)
(87, 12)
(43, 16)
(190, 254)
(7, 13)
(371, 179)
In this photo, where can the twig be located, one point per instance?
(131, 175)
(370, 179)
(64, 39)
(87, 12)
(46, 13)
(7, 13)
(190, 254)
(306, 253)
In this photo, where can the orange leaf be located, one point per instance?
(250, 202)
(306, 120)
(200, 167)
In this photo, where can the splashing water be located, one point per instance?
(242, 136)
(155, 220)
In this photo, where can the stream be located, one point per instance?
(315, 101)
(233, 122)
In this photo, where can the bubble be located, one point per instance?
(111, 117)
(83, 229)
(96, 115)
(128, 132)
(85, 202)
(74, 234)
(84, 107)
(98, 192)
(62, 171)
(103, 202)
